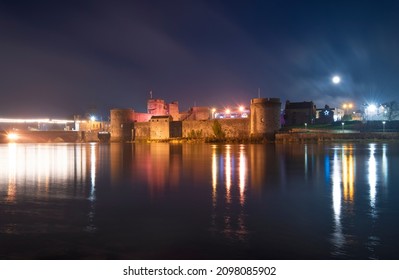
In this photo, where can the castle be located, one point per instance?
(164, 121)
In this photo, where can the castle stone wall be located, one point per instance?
(233, 128)
(141, 131)
(197, 128)
(176, 129)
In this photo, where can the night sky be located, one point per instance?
(59, 58)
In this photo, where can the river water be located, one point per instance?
(199, 201)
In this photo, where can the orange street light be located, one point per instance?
(12, 136)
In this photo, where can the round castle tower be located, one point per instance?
(265, 116)
(121, 125)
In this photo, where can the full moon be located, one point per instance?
(336, 79)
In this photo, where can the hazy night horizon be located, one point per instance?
(64, 58)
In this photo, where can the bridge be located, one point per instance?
(57, 136)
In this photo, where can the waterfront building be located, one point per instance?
(325, 115)
(298, 113)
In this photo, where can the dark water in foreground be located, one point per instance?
(199, 201)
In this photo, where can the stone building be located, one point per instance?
(299, 113)
(264, 121)
(158, 107)
(196, 114)
(325, 115)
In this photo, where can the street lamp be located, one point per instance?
(343, 124)
(371, 111)
(346, 106)
(383, 126)
(213, 112)
(372, 108)
(306, 126)
(91, 122)
(12, 137)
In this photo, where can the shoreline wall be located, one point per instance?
(232, 128)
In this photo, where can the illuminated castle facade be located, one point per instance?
(163, 121)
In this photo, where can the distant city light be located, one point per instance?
(234, 112)
(336, 79)
(214, 114)
(347, 106)
(12, 136)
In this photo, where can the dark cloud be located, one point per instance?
(61, 58)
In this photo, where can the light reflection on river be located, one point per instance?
(199, 201)
(229, 165)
